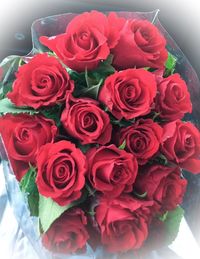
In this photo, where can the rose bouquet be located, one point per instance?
(96, 128)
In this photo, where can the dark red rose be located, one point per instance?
(140, 45)
(68, 233)
(123, 222)
(87, 40)
(161, 184)
(23, 135)
(111, 170)
(173, 99)
(41, 82)
(85, 120)
(181, 145)
(129, 93)
(143, 139)
(61, 172)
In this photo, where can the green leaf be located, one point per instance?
(28, 186)
(164, 216)
(172, 222)
(84, 148)
(122, 122)
(93, 90)
(90, 190)
(7, 107)
(160, 159)
(53, 113)
(49, 210)
(141, 196)
(123, 145)
(88, 83)
(170, 65)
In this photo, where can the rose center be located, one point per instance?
(89, 122)
(24, 134)
(177, 93)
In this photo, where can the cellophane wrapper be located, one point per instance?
(26, 242)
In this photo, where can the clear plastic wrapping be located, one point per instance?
(27, 241)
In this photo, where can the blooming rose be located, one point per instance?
(181, 145)
(123, 222)
(129, 93)
(23, 135)
(41, 82)
(143, 139)
(173, 99)
(111, 170)
(61, 172)
(87, 40)
(140, 45)
(162, 184)
(68, 233)
(85, 120)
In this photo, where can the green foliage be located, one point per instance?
(91, 191)
(161, 159)
(28, 186)
(122, 122)
(6, 106)
(170, 65)
(140, 196)
(172, 220)
(88, 83)
(123, 145)
(53, 113)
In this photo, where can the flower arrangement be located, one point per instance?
(96, 135)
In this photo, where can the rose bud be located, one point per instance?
(111, 170)
(42, 82)
(181, 145)
(140, 45)
(173, 99)
(68, 233)
(61, 172)
(143, 139)
(23, 135)
(129, 93)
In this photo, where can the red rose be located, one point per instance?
(68, 233)
(111, 170)
(41, 82)
(85, 120)
(143, 139)
(162, 184)
(140, 45)
(181, 145)
(129, 93)
(61, 172)
(123, 222)
(173, 99)
(87, 41)
(23, 135)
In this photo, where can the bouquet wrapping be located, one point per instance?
(98, 124)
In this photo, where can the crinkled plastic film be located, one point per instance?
(26, 242)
